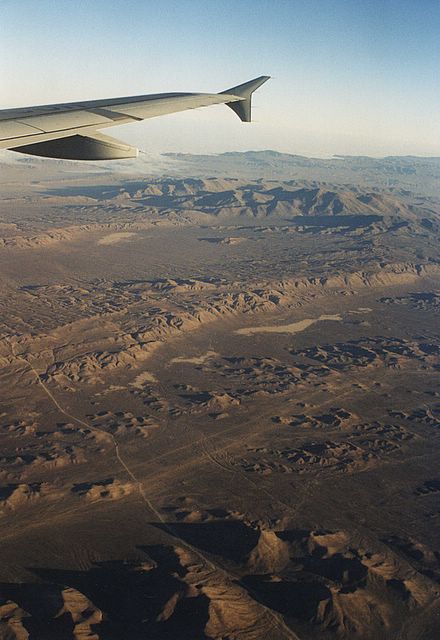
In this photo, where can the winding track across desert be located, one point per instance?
(219, 414)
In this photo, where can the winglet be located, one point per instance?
(242, 105)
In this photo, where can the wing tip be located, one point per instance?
(242, 105)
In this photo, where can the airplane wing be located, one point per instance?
(70, 130)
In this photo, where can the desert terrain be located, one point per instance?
(219, 399)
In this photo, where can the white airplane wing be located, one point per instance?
(70, 130)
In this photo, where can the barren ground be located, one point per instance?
(219, 410)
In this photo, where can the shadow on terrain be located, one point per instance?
(137, 600)
(230, 539)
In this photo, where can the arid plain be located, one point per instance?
(220, 400)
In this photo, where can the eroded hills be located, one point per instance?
(219, 409)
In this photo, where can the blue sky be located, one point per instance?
(349, 76)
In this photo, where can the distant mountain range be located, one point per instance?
(227, 197)
(402, 175)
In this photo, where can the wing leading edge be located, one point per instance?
(70, 130)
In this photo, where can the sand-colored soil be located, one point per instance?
(113, 238)
(164, 476)
(293, 327)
